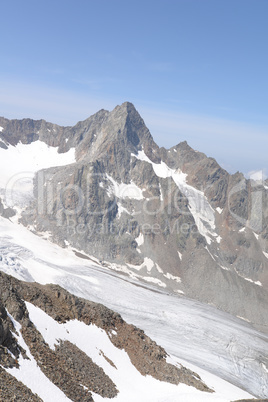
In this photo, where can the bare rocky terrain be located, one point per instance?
(67, 366)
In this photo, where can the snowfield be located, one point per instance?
(229, 355)
(95, 342)
(19, 164)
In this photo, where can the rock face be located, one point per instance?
(173, 217)
(68, 367)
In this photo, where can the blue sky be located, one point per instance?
(196, 70)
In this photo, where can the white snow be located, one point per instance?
(256, 235)
(140, 239)
(19, 164)
(180, 255)
(158, 268)
(179, 291)
(95, 343)
(218, 239)
(256, 283)
(265, 254)
(242, 230)
(265, 368)
(30, 374)
(225, 268)
(219, 210)
(210, 253)
(152, 279)
(122, 190)
(195, 332)
(174, 278)
(242, 318)
(121, 209)
(161, 193)
(147, 263)
(1, 129)
(199, 206)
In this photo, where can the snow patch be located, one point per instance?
(210, 253)
(265, 368)
(161, 193)
(242, 230)
(225, 268)
(256, 283)
(19, 164)
(1, 129)
(242, 318)
(158, 268)
(147, 263)
(219, 210)
(155, 280)
(180, 255)
(96, 344)
(121, 209)
(265, 254)
(172, 277)
(123, 190)
(140, 239)
(31, 375)
(199, 206)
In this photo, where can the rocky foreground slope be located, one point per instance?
(173, 218)
(68, 367)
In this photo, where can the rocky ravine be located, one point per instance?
(68, 367)
(173, 218)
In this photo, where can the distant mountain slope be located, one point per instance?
(173, 218)
(225, 346)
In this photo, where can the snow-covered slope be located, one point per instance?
(93, 341)
(216, 342)
(19, 163)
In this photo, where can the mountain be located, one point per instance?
(173, 217)
(173, 220)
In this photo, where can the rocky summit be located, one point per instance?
(172, 218)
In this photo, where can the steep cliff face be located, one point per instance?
(173, 217)
(37, 324)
